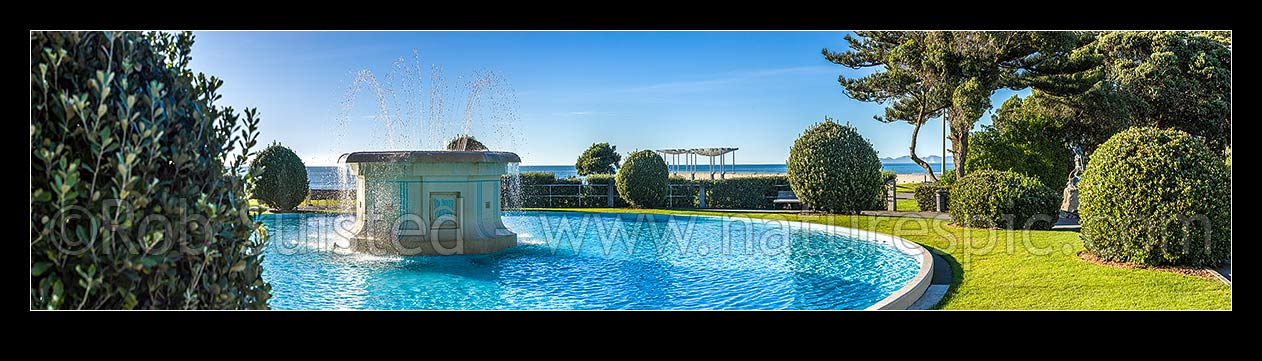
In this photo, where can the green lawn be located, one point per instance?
(907, 205)
(991, 273)
(906, 187)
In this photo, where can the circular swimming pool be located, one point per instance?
(571, 260)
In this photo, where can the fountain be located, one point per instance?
(429, 202)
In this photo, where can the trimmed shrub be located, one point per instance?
(566, 196)
(1010, 200)
(281, 181)
(888, 176)
(531, 196)
(1027, 153)
(596, 193)
(642, 180)
(832, 168)
(926, 197)
(683, 197)
(1156, 197)
(128, 142)
(743, 193)
(946, 179)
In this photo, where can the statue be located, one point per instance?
(1069, 205)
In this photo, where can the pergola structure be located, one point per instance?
(688, 157)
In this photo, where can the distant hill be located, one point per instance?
(907, 159)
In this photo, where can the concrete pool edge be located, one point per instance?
(907, 296)
(915, 288)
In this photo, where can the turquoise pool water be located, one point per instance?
(591, 261)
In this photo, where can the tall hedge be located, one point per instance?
(531, 196)
(926, 196)
(1025, 152)
(642, 180)
(591, 193)
(744, 192)
(134, 203)
(281, 181)
(989, 198)
(832, 168)
(1157, 197)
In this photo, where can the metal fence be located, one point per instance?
(562, 195)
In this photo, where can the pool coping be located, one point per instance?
(915, 288)
(901, 299)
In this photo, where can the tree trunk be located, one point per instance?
(959, 142)
(914, 133)
(961, 154)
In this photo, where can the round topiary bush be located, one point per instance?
(990, 198)
(282, 182)
(642, 180)
(1156, 197)
(832, 168)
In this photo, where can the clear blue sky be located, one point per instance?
(560, 91)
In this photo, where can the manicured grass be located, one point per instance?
(907, 205)
(906, 187)
(995, 269)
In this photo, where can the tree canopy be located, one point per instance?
(1175, 79)
(923, 73)
(600, 158)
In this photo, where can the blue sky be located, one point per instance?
(546, 95)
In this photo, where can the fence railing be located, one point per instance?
(679, 195)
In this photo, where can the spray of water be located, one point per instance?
(411, 113)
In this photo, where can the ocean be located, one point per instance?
(327, 178)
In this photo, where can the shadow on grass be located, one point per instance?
(957, 275)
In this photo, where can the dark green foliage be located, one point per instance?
(684, 192)
(597, 191)
(281, 178)
(1084, 120)
(926, 197)
(565, 192)
(642, 180)
(532, 195)
(832, 168)
(922, 74)
(1156, 197)
(744, 192)
(888, 176)
(1023, 150)
(1178, 80)
(989, 198)
(134, 204)
(537, 177)
(600, 158)
(946, 180)
(465, 143)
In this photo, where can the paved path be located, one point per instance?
(938, 285)
(1225, 271)
(937, 215)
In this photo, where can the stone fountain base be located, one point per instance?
(429, 202)
(425, 247)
